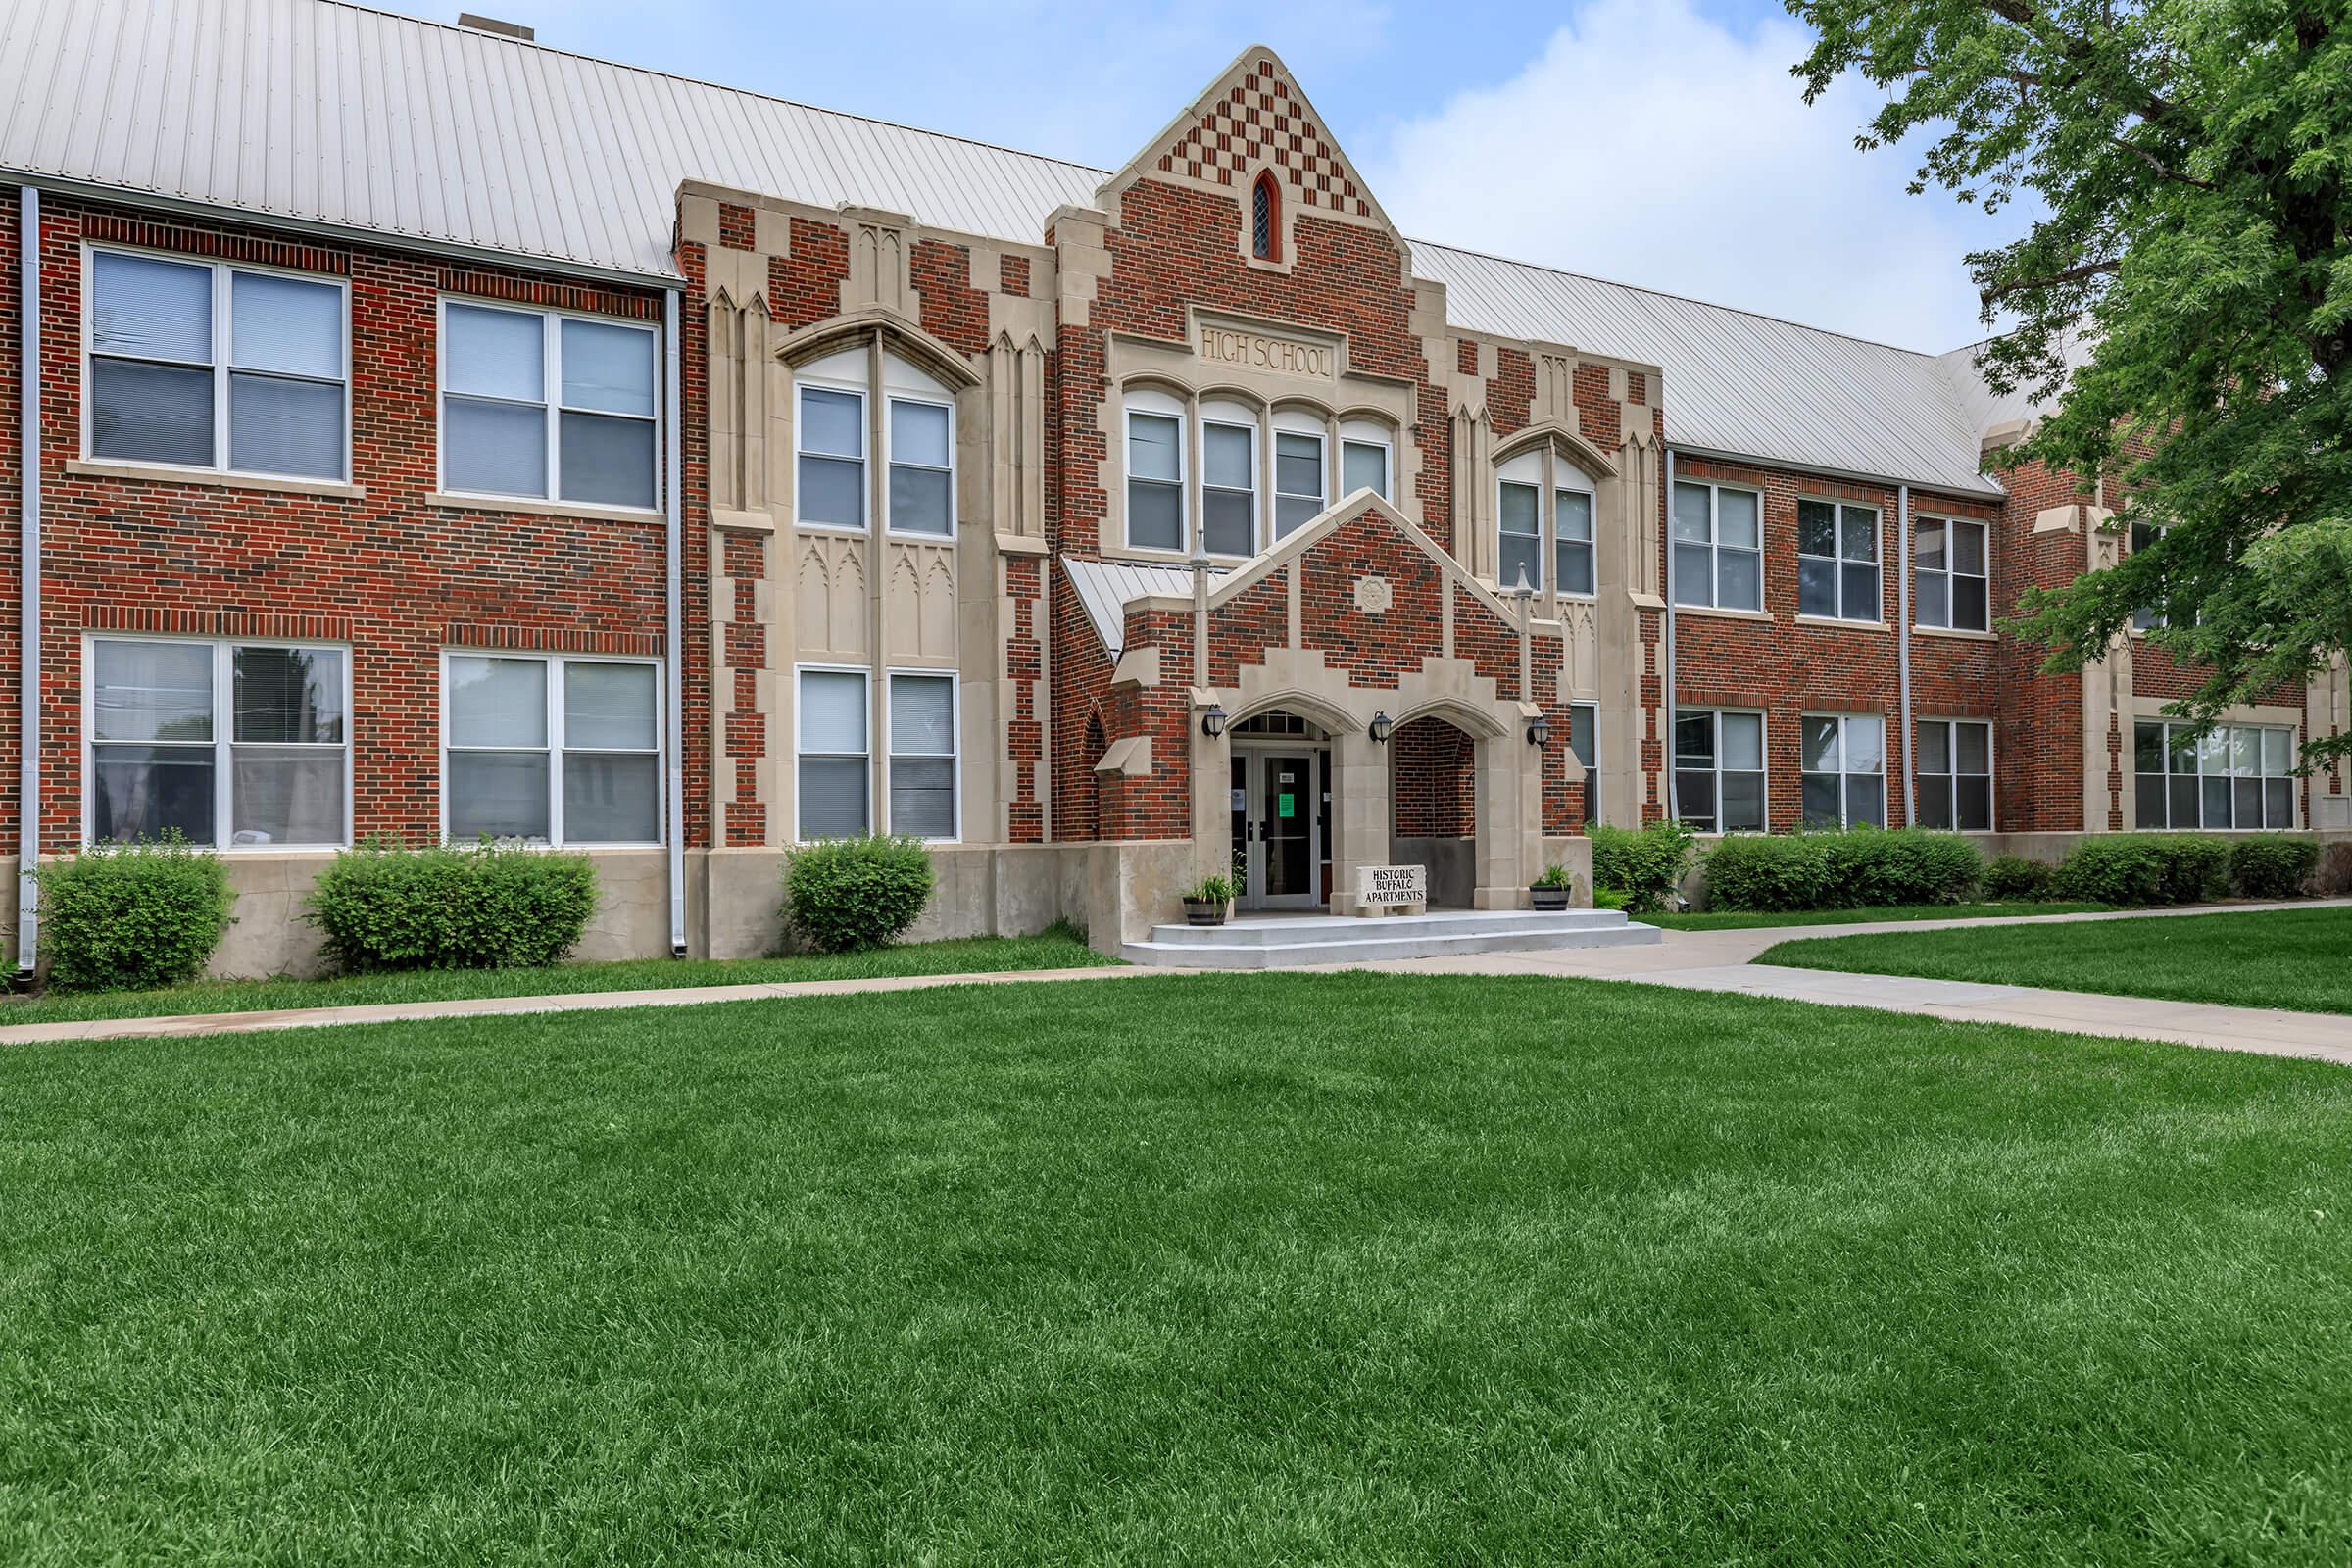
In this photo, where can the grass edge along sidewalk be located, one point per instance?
(2299, 960)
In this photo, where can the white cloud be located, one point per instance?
(1650, 145)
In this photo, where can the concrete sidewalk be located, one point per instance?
(1694, 960)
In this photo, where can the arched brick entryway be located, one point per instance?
(1433, 790)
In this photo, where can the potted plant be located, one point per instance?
(1549, 891)
(1209, 902)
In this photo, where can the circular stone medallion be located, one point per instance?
(1372, 595)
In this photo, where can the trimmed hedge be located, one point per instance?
(1859, 868)
(2273, 866)
(2141, 868)
(479, 906)
(1644, 869)
(131, 917)
(847, 894)
(2014, 879)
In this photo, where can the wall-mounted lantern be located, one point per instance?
(1382, 724)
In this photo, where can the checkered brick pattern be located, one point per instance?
(1260, 120)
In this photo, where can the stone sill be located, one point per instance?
(1763, 616)
(1835, 624)
(1956, 633)
(214, 479)
(533, 506)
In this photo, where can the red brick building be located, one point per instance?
(679, 475)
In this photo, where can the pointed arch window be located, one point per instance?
(1265, 218)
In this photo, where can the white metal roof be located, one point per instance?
(1104, 588)
(320, 112)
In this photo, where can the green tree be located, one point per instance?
(2188, 159)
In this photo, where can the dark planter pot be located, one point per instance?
(1548, 900)
(1204, 911)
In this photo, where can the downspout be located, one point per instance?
(28, 558)
(673, 630)
(1902, 650)
(1674, 805)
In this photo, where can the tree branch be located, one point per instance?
(2162, 172)
(2023, 285)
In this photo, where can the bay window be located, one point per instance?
(551, 749)
(1719, 770)
(922, 755)
(543, 405)
(1718, 546)
(1836, 560)
(1954, 781)
(1844, 778)
(2234, 776)
(238, 744)
(1954, 583)
(834, 758)
(200, 364)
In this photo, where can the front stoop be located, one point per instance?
(1289, 941)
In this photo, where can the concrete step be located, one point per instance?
(1288, 944)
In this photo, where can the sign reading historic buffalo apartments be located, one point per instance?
(1384, 887)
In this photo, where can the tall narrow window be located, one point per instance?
(1572, 540)
(202, 366)
(1836, 560)
(1155, 480)
(922, 756)
(1718, 547)
(922, 474)
(1954, 590)
(1228, 488)
(2143, 537)
(1365, 466)
(1265, 218)
(831, 431)
(834, 756)
(1844, 771)
(1954, 776)
(1521, 519)
(1719, 770)
(1298, 479)
(1583, 738)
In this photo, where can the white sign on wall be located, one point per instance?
(1386, 887)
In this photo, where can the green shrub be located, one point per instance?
(1646, 866)
(2145, 869)
(132, 917)
(1608, 899)
(479, 906)
(2273, 866)
(2014, 879)
(847, 894)
(1864, 867)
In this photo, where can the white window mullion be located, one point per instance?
(222, 339)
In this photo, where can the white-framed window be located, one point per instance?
(1299, 477)
(209, 366)
(1583, 738)
(1836, 560)
(1228, 480)
(2233, 777)
(551, 748)
(829, 456)
(1718, 546)
(923, 754)
(922, 467)
(548, 405)
(834, 753)
(1953, 567)
(1155, 510)
(1531, 530)
(1844, 769)
(1367, 459)
(1954, 775)
(239, 744)
(1719, 770)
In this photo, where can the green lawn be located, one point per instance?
(1231, 1269)
(1750, 920)
(1057, 948)
(2299, 958)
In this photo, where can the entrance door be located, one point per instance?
(1278, 830)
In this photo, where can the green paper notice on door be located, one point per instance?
(1286, 804)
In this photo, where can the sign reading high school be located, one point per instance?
(1246, 350)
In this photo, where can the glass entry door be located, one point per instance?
(1277, 828)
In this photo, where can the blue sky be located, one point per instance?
(1659, 142)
